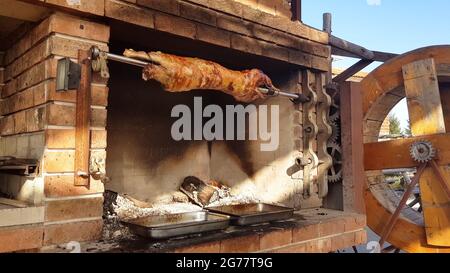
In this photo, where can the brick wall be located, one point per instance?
(38, 122)
(275, 7)
(258, 27)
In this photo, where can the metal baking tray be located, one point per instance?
(173, 225)
(250, 214)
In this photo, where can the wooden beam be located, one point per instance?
(355, 49)
(351, 71)
(82, 127)
(423, 96)
(394, 154)
(378, 55)
(426, 116)
(352, 146)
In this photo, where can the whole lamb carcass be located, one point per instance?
(181, 74)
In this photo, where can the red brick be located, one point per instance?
(60, 210)
(61, 115)
(165, 6)
(20, 122)
(300, 58)
(240, 245)
(175, 25)
(203, 248)
(68, 47)
(360, 237)
(275, 239)
(37, 74)
(246, 44)
(275, 52)
(355, 222)
(57, 162)
(231, 7)
(234, 24)
(35, 55)
(197, 13)
(99, 94)
(35, 119)
(7, 125)
(21, 238)
(62, 186)
(324, 245)
(64, 115)
(129, 13)
(9, 88)
(331, 227)
(214, 36)
(297, 248)
(96, 7)
(98, 117)
(65, 139)
(4, 107)
(305, 233)
(79, 231)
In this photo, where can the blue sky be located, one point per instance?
(396, 26)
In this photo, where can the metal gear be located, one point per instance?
(335, 172)
(335, 113)
(336, 132)
(422, 151)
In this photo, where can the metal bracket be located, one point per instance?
(100, 63)
(68, 75)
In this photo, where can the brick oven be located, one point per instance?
(131, 150)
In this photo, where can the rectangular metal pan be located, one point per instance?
(162, 227)
(251, 214)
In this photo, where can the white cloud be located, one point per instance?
(373, 2)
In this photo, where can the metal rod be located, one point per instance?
(121, 59)
(266, 91)
(118, 58)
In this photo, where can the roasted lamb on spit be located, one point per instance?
(180, 74)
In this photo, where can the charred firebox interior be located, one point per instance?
(146, 163)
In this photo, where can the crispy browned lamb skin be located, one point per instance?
(180, 74)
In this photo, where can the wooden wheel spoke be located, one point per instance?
(395, 154)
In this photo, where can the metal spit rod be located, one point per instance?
(118, 58)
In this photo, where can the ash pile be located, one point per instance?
(193, 195)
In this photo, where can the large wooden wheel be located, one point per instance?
(423, 77)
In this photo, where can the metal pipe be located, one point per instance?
(121, 59)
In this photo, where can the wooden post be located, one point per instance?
(82, 127)
(296, 7)
(327, 21)
(352, 146)
(427, 118)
